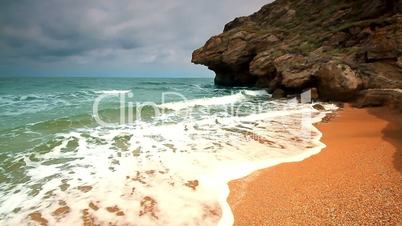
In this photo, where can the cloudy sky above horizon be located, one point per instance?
(110, 38)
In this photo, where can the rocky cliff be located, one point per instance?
(344, 50)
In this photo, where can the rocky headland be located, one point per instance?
(342, 50)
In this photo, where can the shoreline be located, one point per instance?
(356, 179)
(227, 217)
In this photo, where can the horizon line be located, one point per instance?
(107, 76)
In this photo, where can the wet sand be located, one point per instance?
(356, 180)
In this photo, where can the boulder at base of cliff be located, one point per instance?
(314, 94)
(399, 62)
(296, 71)
(278, 93)
(380, 97)
(337, 81)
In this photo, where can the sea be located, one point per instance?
(139, 151)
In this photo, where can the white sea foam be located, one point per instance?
(111, 92)
(256, 92)
(223, 100)
(147, 171)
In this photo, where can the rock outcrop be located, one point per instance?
(342, 49)
(380, 97)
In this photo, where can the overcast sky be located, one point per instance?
(110, 37)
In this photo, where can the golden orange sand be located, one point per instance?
(356, 180)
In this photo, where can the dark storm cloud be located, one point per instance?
(58, 28)
(124, 32)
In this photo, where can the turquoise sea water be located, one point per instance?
(37, 107)
(57, 162)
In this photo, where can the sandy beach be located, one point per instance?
(356, 180)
